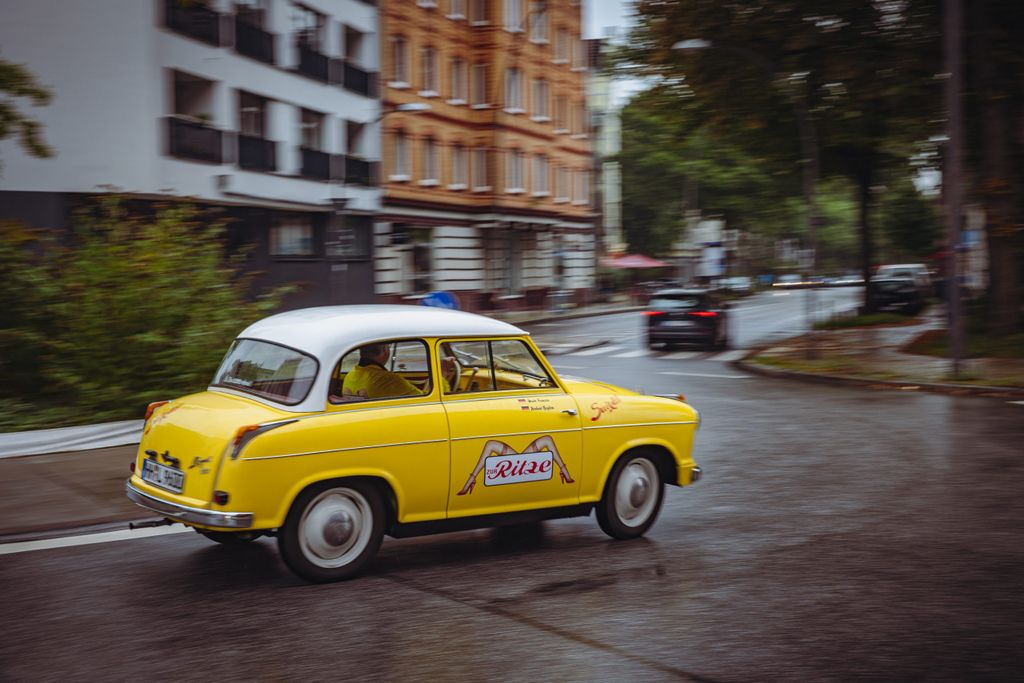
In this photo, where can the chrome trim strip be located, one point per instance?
(643, 424)
(456, 397)
(184, 513)
(495, 436)
(342, 450)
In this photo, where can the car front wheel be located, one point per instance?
(632, 498)
(333, 530)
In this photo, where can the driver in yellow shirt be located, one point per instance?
(371, 379)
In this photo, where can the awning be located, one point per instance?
(634, 261)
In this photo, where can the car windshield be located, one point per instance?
(268, 370)
(676, 302)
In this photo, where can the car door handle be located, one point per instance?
(570, 411)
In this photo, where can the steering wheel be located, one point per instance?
(454, 384)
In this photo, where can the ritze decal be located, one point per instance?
(504, 465)
(602, 407)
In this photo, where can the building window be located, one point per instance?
(355, 139)
(251, 12)
(459, 87)
(541, 176)
(428, 67)
(312, 125)
(514, 15)
(431, 168)
(252, 115)
(480, 182)
(539, 25)
(581, 193)
(514, 181)
(561, 114)
(400, 159)
(561, 184)
(292, 237)
(354, 45)
(479, 16)
(562, 46)
(456, 9)
(308, 26)
(541, 111)
(513, 91)
(429, 4)
(460, 179)
(579, 54)
(479, 86)
(399, 62)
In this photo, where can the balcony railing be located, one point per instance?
(257, 154)
(315, 164)
(253, 41)
(193, 140)
(360, 171)
(359, 81)
(194, 21)
(312, 63)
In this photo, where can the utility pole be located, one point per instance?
(952, 187)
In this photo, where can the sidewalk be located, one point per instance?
(873, 356)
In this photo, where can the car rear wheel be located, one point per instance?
(333, 530)
(230, 537)
(632, 498)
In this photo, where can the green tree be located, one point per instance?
(140, 306)
(17, 83)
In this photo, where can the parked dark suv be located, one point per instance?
(901, 294)
(686, 316)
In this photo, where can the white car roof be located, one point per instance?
(326, 331)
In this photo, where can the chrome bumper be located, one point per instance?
(695, 474)
(184, 513)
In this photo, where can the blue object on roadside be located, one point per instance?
(441, 300)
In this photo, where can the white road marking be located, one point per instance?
(681, 355)
(632, 354)
(701, 374)
(1016, 403)
(559, 366)
(89, 539)
(729, 356)
(595, 351)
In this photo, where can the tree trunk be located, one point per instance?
(864, 180)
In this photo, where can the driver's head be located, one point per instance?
(374, 353)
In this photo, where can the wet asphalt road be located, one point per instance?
(839, 534)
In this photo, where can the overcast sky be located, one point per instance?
(599, 14)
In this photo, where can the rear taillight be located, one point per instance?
(153, 406)
(131, 468)
(704, 314)
(654, 312)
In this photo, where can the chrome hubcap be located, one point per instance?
(335, 527)
(636, 493)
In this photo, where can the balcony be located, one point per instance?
(312, 63)
(357, 171)
(257, 154)
(359, 81)
(316, 165)
(187, 139)
(253, 41)
(193, 20)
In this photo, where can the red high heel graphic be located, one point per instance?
(564, 475)
(468, 488)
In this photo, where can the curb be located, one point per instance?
(846, 380)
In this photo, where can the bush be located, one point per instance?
(139, 306)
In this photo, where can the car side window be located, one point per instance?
(498, 365)
(382, 370)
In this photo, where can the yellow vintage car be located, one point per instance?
(330, 427)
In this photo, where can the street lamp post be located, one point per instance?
(808, 149)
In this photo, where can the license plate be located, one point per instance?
(163, 476)
(678, 323)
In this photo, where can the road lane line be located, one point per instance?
(594, 351)
(682, 355)
(701, 374)
(633, 354)
(89, 539)
(729, 355)
(1016, 403)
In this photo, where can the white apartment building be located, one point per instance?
(267, 108)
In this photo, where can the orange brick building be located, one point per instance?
(487, 193)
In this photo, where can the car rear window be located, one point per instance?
(268, 370)
(677, 302)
